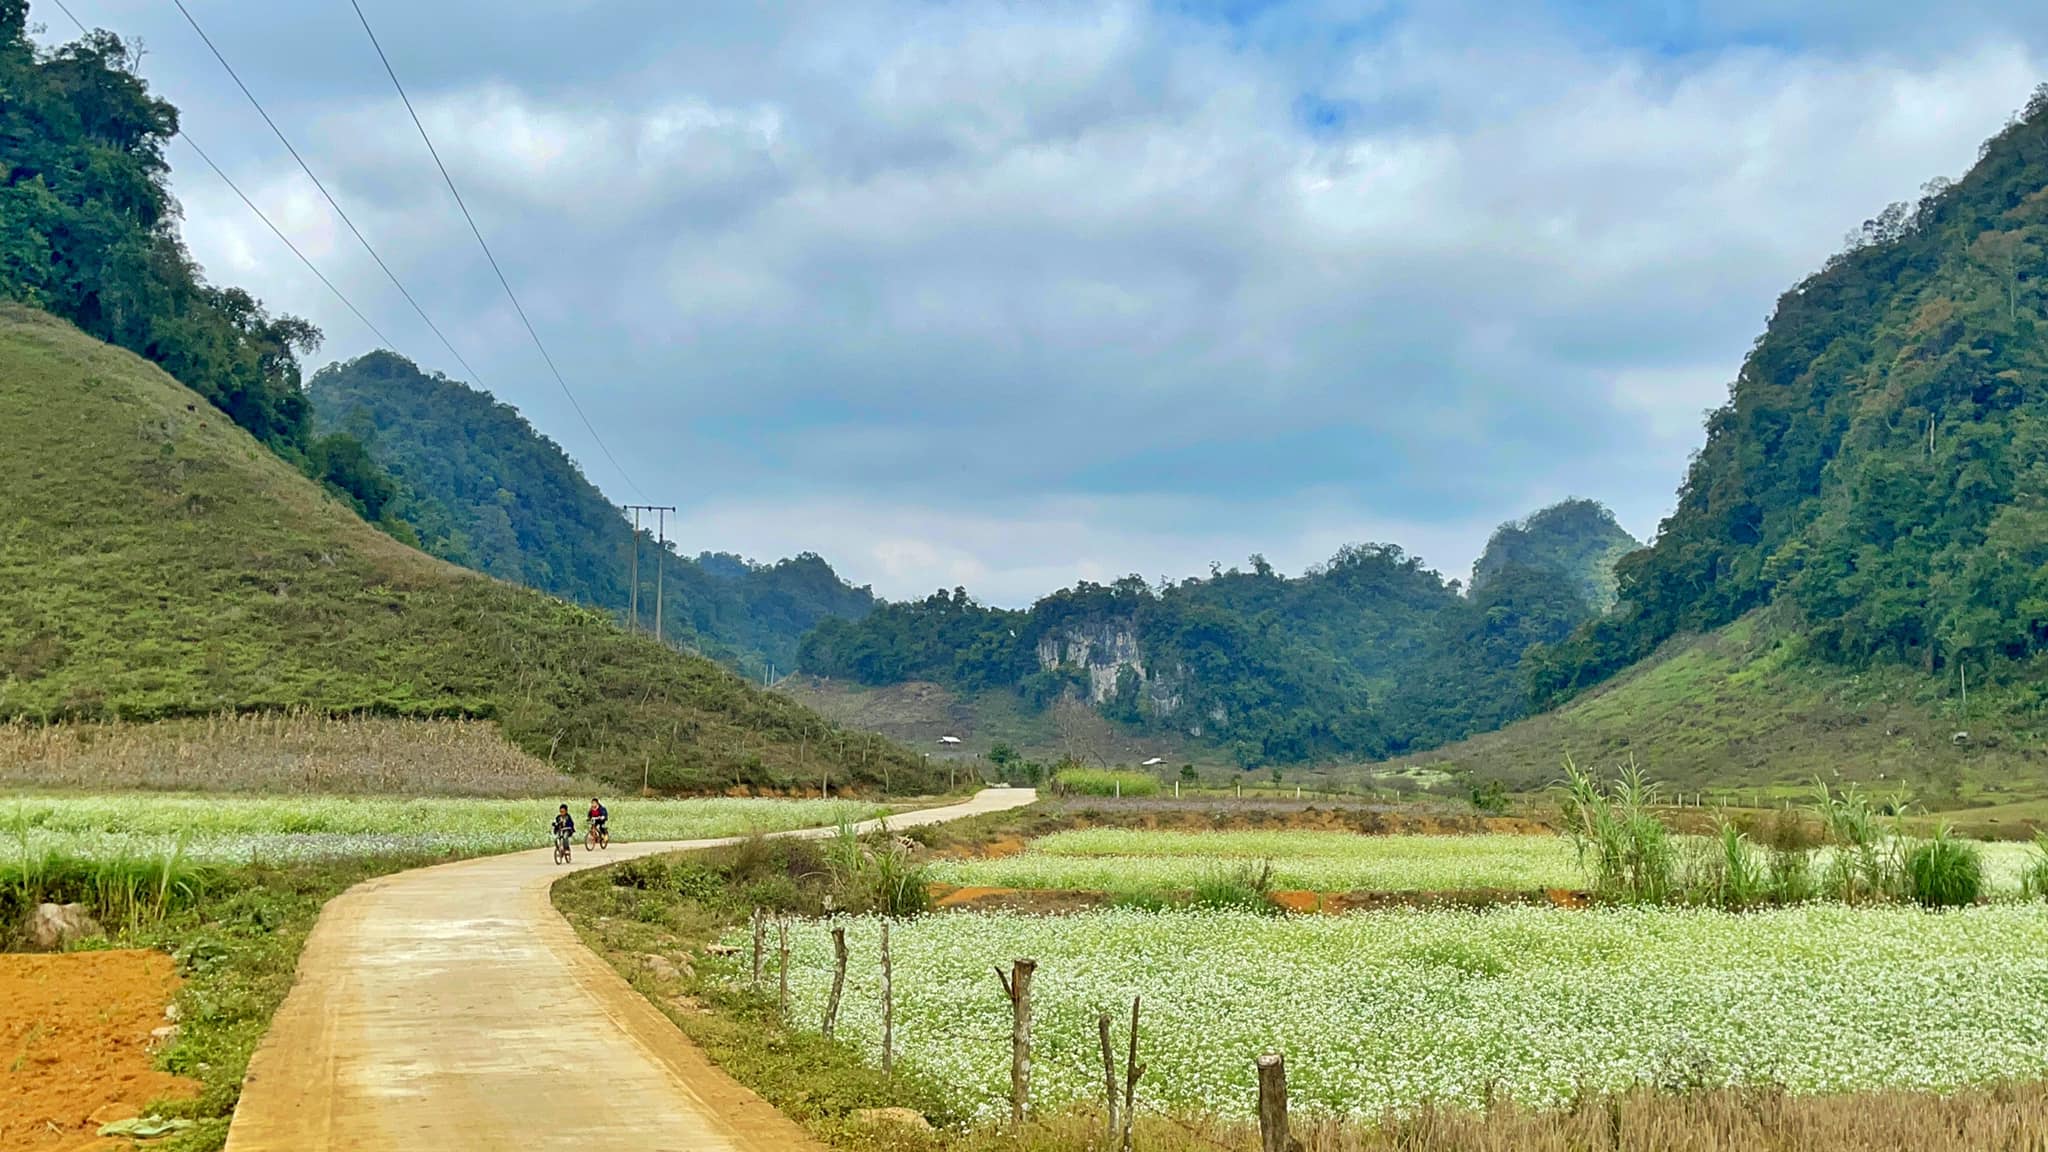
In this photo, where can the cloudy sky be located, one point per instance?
(1013, 294)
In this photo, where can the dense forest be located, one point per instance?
(1369, 654)
(481, 487)
(1577, 536)
(1879, 474)
(88, 232)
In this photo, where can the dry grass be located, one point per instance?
(2008, 1118)
(289, 753)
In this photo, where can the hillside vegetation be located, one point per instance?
(159, 562)
(486, 490)
(1855, 579)
(1576, 539)
(1880, 470)
(1747, 712)
(1368, 655)
(88, 231)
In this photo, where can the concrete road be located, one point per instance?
(453, 1008)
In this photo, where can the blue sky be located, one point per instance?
(1013, 294)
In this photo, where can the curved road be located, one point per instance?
(453, 1008)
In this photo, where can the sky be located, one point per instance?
(1013, 294)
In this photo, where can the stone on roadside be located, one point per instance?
(54, 926)
(662, 967)
(909, 1118)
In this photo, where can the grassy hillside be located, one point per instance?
(1745, 710)
(157, 561)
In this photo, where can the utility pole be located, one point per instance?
(661, 512)
(633, 577)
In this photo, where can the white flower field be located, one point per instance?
(1386, 1010)
(239, 829)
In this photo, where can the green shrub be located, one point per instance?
(1944, 872)
(649, 875)
(1790, 876)
(1738, 881)
(2034, 876)
(1491, 797)
(1866, 863)
(1244, 884)
(1104, 782)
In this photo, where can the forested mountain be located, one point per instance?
(1368, 655)
(1578, 539)
(88, 232)
(486, 490)
(1879, 473)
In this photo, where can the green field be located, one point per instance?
(1144, 863)
(1127, 862)
(1388, 1010)
(276, 830)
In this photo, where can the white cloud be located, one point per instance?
(979, 293)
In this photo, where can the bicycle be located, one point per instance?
(598, 836)
(561, 847)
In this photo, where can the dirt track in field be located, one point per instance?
(453, 1008)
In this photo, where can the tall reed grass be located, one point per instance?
(124, 890)
(1863, 852)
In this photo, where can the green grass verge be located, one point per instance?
(1742, 716)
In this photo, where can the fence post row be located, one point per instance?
(1272, 1103)
(1017, 986)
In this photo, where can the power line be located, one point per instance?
(478, 233)
(267, 223)
(304, 167)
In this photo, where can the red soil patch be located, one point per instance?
(1299, 901)
(1037, 900)
(75, 1045)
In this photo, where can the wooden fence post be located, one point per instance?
(1017, 986)
(1132, 1070)
(1272, 1103)
(782, 967)
(888, 1008)
(760, 931)
(838, 979)
(1108, 1078)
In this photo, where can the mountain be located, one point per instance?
(158, 561)
(1879, 473)
(486, 490)
(1368, 655)
(1577, 539)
